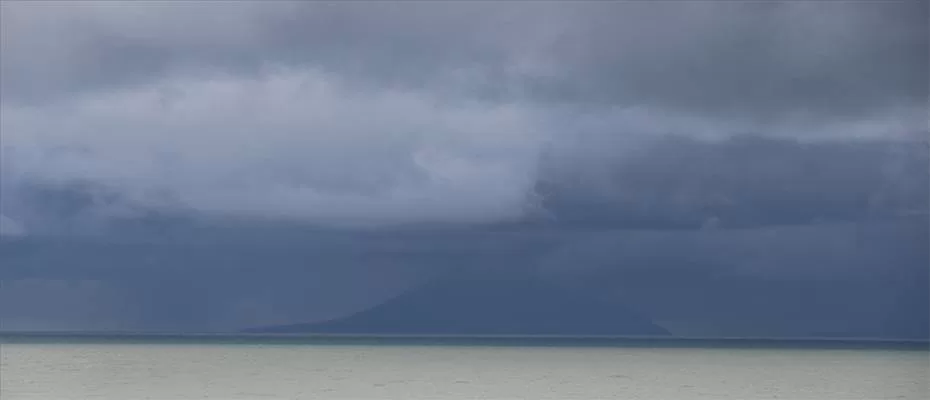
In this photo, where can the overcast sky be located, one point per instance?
(636, 115)
(384, 113)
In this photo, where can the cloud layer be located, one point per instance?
(291, 144)
(395, 113)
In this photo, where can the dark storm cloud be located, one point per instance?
(680, 182)
(376, 43)
(384, 113)
(729, 57)
(751, 59)
(683, 119)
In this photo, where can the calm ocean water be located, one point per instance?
(165, 370)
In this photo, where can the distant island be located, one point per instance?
(475, 304)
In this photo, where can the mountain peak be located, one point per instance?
(484, 304)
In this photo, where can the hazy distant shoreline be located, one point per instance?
(457, 340)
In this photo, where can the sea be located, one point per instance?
(62, 367)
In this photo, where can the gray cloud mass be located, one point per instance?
(409, 112)
(728, 168)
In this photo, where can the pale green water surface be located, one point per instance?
(172, 371)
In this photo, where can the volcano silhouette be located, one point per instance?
(485, 305)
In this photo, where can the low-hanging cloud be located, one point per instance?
(289, 144)
(393, 113)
